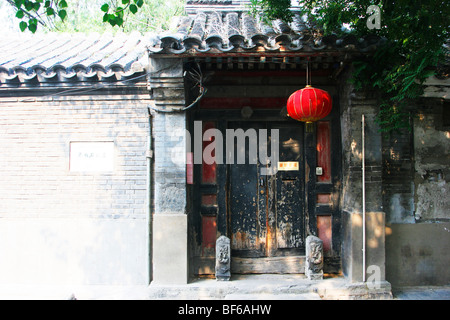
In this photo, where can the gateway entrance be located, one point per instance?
(255, 199)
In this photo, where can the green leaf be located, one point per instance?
(125, 1)
(133, 8)
(119, 21)
(18, 3)
(47, 4)
(50, 11)
(110, 18)
(62, 14)
(112, 22)
(32, 27)
(429, 73)
(63, 4)
(20, 14)
(105, 7)
(139, 3)
(23, 25)
(28, 5)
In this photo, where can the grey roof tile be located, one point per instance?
(58, 58)
(217, 32)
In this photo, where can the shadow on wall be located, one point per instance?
(418, 254)
(73, 251)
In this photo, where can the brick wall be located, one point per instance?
(415, 167)
(415, 198)
(398, 177)
(431, 162)
(61, 226)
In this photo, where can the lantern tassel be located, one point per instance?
(309, 127)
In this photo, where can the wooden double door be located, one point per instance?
(255, 195)
(265, 195)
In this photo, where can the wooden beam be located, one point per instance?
(278, 265)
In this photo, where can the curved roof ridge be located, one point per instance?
(239, 31)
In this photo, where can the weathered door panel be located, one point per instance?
(244, 207)
(247, 204)
(266, 214)
(289, 193)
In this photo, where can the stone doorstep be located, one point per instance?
(271, 287)
(268, 296)
(358, 291)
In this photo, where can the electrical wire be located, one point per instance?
(202, 93)
(196, 75)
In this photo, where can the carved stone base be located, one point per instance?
(314, 258)
(315, 276)
(223, 259)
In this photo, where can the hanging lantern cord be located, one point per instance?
(309, 125)
(308, 75)
(307, 71)
(310, 72)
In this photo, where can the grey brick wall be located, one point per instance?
(79, 227)
(34, 159)
(398, 177)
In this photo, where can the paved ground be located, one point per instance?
(253, 288)
(141, 293)
(422, 293)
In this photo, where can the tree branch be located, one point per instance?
(30, 16)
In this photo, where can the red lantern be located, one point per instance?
(309, 104)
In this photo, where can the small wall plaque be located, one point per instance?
(91, 156)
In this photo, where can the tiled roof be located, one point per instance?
(195, 6)
(59, 58)
(239, 32)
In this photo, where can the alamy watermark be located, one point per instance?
(373, 273)
(228, 148)
(374, 20)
